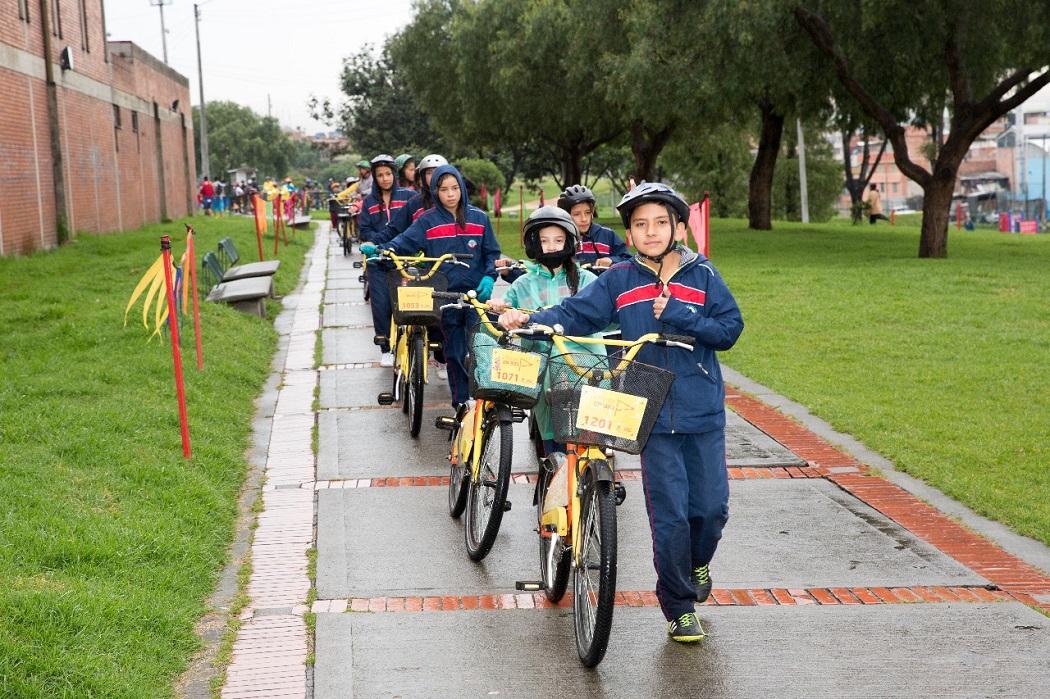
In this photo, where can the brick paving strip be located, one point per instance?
(270, 652)
(720, 597)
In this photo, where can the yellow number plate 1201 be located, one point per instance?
(415, 298)
(516, 368)
(609, 412)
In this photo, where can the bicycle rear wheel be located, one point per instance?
(457, 477)
(414, 397)
(595, 576)
(554, 565)
(487, 495)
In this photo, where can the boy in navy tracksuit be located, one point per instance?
(599, 245)
(667, 288)
(453, 226)
(378, 209)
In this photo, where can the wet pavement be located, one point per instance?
(821, 589)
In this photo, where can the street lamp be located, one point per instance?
(163, 32)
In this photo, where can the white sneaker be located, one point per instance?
(442, 372)
(387, 359)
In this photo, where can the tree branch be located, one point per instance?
(820, 33)
(1025, 92)
(1008, 84)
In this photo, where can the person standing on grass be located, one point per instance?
(453, 226)
(376, 213)
(873, 200)
(207, 195)
(667, 288)
(599, 245)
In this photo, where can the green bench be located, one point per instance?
(228, 258)
(247, 295)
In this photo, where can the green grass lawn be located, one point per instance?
(942, 366)
(110, 542)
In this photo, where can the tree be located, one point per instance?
(238, 136)
(381, 114)
(823, 177)
(978, 60)
(712, 159)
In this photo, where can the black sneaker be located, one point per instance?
(702, 582)
(686, 629)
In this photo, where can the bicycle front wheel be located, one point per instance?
(414, 398)
(487, 494)
(457, 477)
(595, 575)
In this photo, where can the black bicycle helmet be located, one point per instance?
(651, 192)
(549, 216)
(576, 194)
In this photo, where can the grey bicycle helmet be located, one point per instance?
(384, 159)
(576, 194)
(651, 192)
(549, 216)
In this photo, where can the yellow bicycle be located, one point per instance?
(598, 402)
(415, 310)
(505, 380)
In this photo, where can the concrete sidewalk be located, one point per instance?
(830, 581)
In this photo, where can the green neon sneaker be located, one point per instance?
(686, 628)
(702, 582)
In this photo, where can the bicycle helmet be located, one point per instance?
(403, 160)
(363, 164)
(431, 161)
(654, 193)
(549, 216)
(576, 194)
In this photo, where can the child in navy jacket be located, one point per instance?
(667, 288)
(453, 226)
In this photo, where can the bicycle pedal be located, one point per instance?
(443, 422)
(357, 265)
(620, 492)
(506, 506)
(385, 399)
(530, 586)
(379, 340)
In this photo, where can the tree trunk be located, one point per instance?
(646, 147)
(760, 186)
(571, 168)
(936, 208)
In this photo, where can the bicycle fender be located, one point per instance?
(505, 414)
(601, 469)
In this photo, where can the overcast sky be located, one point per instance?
(285, 48)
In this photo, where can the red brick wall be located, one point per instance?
(111, 174)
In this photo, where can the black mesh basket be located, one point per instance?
(428, 316)
(596, 400)
(505, 373)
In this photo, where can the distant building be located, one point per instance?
(118, 122)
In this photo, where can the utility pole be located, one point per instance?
(269, 107)
(54, 132)
(205, 165)
(802, 172)
(163, 32)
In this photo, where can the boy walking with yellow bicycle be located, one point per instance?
(668, 289)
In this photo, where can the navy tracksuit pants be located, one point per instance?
(687, 497)
(379, 300)
(454, 345)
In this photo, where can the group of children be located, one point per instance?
(663, 288)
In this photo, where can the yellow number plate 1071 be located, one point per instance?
(415, 298)
(609, 412)
(516, 368)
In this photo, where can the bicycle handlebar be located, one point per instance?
(557, 335)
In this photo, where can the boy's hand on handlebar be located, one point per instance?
(485, 288)
(498, 305)
(603, 262)
(369, 250)
(513, 319)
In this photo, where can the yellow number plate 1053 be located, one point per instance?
(415, 298)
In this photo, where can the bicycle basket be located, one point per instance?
(506, 373)
(594, 401)
(410, 307)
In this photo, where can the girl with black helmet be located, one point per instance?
(599, 245)
(669, 289)
(550, 241)
(376, 213)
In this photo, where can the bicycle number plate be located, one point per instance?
(609, 412)
(415, 298)
(516, 368)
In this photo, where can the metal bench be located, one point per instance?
(247, 295)
(228, 258)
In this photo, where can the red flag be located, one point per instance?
(483, 194)
(497, 202)
(699, 224)
(541, 198)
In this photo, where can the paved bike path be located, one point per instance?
(829, 581)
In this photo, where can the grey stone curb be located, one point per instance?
(1029, 550)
